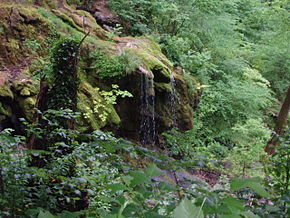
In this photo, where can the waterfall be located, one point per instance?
(174, 101)
(147, 127)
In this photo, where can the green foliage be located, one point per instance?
(32, 45)
(67, 179)
(102, 107)
(235, 105)
(250, 139)
(278, 169)
(237, 49)
(137, 196)
(13, 175)
(94, 173)
(64, 60)
(268, 30)
(113, 66)
(253, 183)
(187, 209)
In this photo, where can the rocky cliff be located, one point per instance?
(160, 91)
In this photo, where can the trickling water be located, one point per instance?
(147, 110)
(173, 100)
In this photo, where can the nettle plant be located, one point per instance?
(102, 106)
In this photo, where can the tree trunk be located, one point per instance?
(41, 105)
(281, 123)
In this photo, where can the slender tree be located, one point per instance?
(280, 124)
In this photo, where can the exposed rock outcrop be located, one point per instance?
(26, 35)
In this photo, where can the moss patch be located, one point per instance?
(20, 24)
(153, 61)
(26, 88)
(163, 87)
(5, 92)
(5, 110)
(28, 107)
(66, 19)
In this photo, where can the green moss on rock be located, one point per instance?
(163, 87)
(24, 23)
(65, 18)
(154, 63)
(26, 88)
(5, 110)
(5, 92)
(28, 107)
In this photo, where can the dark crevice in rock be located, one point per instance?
(159, 75)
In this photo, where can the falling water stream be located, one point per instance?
(147, 127)
(173, 100)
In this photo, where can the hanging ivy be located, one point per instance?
(64, 59)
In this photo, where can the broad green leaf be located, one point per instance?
(253, 183)
(68, 214)
(45, 214)
(233, 204)
(117, 187)
(187, 209)
(113, 216)
(122, 208)
(249, 214)
(153, 215)
(139, 177)
(127, 180)
(153, 170)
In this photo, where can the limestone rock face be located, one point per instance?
(17, 100)
(154, 83)
(160, 101)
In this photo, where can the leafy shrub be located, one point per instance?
(108, 185)
(102, 107)
(14, 175)
(250, 139)
(227, 103)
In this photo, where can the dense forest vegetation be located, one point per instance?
(145, 108)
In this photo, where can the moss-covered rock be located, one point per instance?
(154, 63)
(5, 110)
(163, 87)
(5, 92)
(28, 107)
(21, 24)
(25, 34)
(26, 88)
(184, 110)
